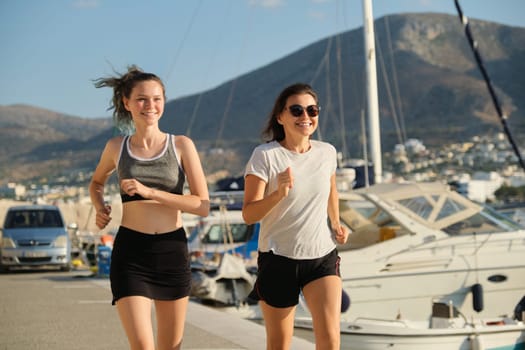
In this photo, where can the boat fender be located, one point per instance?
(345, 301)
(477, 297)
(519, 310)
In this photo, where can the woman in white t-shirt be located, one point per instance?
(290, 188)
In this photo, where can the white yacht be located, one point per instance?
(414, 244)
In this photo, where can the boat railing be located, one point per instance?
(384, 321)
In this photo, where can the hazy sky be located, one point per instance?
(53, 49)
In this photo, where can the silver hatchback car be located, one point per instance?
(34, 236)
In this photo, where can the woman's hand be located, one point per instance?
(340, 234)
(132, 187)
(284, 182)
(103, 216)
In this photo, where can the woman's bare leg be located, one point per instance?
(279, 324)
(171, 315)
(135, 315)
(323, 297)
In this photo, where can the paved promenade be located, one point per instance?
(59, 311)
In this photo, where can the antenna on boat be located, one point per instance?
(371, 88)
(365, 153)
(474, 46)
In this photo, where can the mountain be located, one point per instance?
(429, 88)
(36, 142)
(437, 78)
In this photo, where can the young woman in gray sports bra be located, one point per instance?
(150, 261)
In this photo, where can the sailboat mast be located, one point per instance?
(371, 90)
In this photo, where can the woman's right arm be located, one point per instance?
(256, 205)
(103, 171)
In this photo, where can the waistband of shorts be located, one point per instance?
(285, 258)
(180, 232)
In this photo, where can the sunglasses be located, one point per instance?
(298, 110)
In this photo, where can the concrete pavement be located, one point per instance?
(54, 310)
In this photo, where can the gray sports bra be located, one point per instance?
(161, 172)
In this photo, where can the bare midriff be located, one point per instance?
(150, 217)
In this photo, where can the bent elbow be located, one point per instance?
(205, 208)
(247, 219)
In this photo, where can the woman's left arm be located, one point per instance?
(340, 231)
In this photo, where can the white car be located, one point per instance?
(35, 236)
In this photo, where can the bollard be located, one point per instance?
(104, 260)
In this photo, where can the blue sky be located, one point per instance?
(53, 49)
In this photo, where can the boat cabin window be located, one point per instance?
(368, 223)
(453, 215)
(232, 233)
(421, 206)
(377, 219)
(486, 221)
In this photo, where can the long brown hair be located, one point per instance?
(273, 130)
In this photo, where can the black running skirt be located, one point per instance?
(153, 266)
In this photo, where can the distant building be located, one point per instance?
(415, 147)
(517, 179)
(481, 187)
(12, 190)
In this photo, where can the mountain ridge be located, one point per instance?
(429, 88)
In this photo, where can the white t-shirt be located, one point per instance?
(297, 227)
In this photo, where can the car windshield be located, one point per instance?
(33, 218)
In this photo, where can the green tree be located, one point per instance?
(510, 193)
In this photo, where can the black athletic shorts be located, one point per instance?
(154, 266)
(280, 279)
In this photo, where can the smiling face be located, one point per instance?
(146, 102)
(302, 126)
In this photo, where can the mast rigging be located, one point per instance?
(502, 117)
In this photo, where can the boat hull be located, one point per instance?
(376, 334)
(408, 282)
